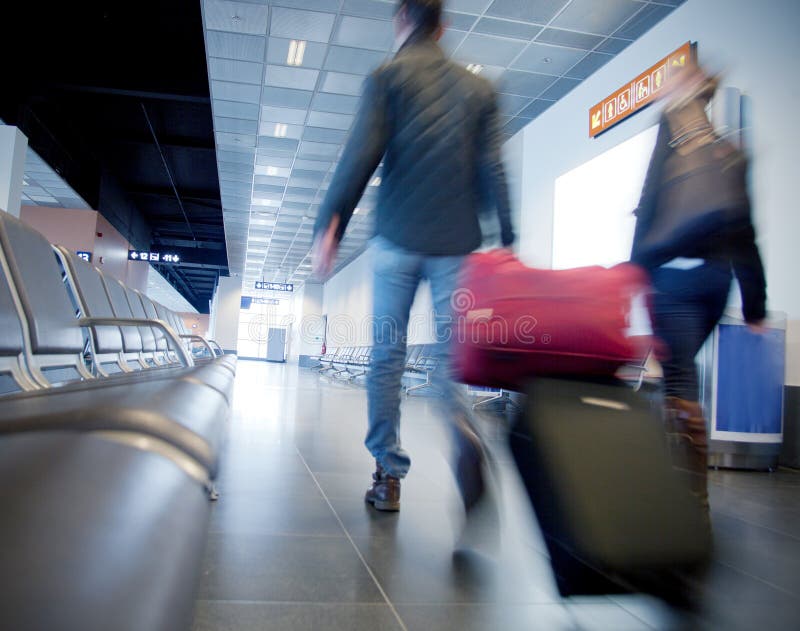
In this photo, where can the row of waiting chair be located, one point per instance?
(110, 435)
(351, 362)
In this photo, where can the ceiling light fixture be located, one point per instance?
(376, 181)
(280, 130)
(475, 68)
(272, 171)
(297, 49)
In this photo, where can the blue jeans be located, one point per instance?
(687, 306)
(397, 275)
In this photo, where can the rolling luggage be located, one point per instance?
(615, 514)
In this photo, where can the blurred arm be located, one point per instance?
(749, 271)
(361, 156)
(652, 185)
(492, 172)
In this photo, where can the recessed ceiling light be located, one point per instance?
(475, 68)
(272, 171)
(297, 49)
(280, 130)
(376, 181)
(356, 211)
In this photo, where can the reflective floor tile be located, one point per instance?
(243, 616)
(284, 569)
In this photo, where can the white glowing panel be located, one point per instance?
(593, 219)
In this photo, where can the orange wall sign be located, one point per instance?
(642, 90)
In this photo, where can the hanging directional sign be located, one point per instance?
(639, 92)
(266, 301)
(153, 257)
(260, 284)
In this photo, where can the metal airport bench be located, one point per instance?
(350, 362)
(424, 363)
(106, 466)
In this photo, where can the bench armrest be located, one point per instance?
(203, 341)
(186, 360)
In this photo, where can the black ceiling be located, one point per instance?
(114, 96)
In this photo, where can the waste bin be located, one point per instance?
(742, 382)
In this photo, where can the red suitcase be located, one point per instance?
(514, 321)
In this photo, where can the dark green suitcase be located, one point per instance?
(615, 514)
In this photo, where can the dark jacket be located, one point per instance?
(737, 246)
(436, 127)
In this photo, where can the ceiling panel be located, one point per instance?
(560, 88)
(241, 157)
(318, 5)
(234, 70)
(323, 134)
(293, 116)
(355, 60)
(231, 109)
(643, 21)
(524, 83)
(534, 109)
(369, 8)
(341, 83)
(540, 11)
(591, 16)
(278, 52)
(507, 28)
(285, 97)
(613, 46)
(240, 140)
(583, 41)
(286, 77)
(588, 65)
(42, 186)
(510, 104)
(547, 59)
(334, 103)
(365, 33)
(266, 161)
(236, 17)
(230, 91)
(451, 40)
(459, 21)
(313, 165)
(273, 183)
(488, 49)
(306, 25)
(280, 130)
(327, 119)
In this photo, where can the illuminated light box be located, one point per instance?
(593, 220)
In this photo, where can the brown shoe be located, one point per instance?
(385, 492)
(686, 431)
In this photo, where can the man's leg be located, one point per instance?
(396, 277)
(469, 455)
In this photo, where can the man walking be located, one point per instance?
(435, 125)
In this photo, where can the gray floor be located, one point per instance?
(293, 546)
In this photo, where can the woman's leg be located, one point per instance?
(688, 305)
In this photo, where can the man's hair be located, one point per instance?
(425, 14)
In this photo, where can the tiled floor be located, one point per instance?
(293, 546)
